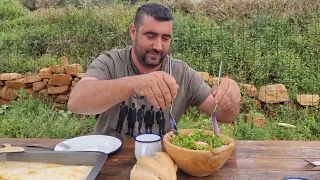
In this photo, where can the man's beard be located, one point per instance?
(150, 62)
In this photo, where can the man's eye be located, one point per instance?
(166, 38)
(150, 36)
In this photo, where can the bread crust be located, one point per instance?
(159, 167)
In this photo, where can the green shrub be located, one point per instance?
(11, 9)
(261, 42)
(268, 47)
(79, 34)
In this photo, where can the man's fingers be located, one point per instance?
(166, 93)
(171, 82)
(223, 89)
(159, 96)
(159, 87)
(218, 95)
(151, 96)
(227, 105)
(228, 102)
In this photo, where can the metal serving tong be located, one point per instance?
(172, 121)
(213, 115)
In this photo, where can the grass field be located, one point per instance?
(261, 42)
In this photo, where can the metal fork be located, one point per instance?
(314, 163)
(173, 123)
(213, 115)
(172, 120)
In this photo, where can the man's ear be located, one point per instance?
(133, 31)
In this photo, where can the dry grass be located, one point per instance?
(241, 9)
(220, 10)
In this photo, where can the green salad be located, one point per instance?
(198, 140)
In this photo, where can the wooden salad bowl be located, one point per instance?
(198, 163)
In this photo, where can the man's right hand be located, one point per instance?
(159, 87)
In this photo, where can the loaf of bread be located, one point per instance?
(159, 167)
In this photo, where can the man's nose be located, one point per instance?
(157, 45)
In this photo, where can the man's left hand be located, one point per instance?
(227, 95)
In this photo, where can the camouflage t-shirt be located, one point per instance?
(136, 114)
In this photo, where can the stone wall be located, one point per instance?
(270, 94)
(57, 81)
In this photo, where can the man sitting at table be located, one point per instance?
(139, 74)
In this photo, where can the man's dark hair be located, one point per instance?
(156, 10)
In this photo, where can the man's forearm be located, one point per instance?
(96, 96)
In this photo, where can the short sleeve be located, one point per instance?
(198, 88)
(100, 68)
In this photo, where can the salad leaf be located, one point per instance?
(198, 140)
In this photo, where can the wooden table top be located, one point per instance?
(249, 160)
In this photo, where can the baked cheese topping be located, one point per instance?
(14, 170)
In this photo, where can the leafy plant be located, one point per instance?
(28, 117)
(198, 140)
(65, 113)
(11, 9)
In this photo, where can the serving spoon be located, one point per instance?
(213, 115)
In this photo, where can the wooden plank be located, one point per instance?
(255, 152)
(130, 143)
(240, 152)
(269, 164)
(223, 174)
(116, 161)
(276, 152)
(245, 144)
(245, 175)
(235, 163)
(295, 144)
(245, 149)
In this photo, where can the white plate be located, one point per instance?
(101, 143)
